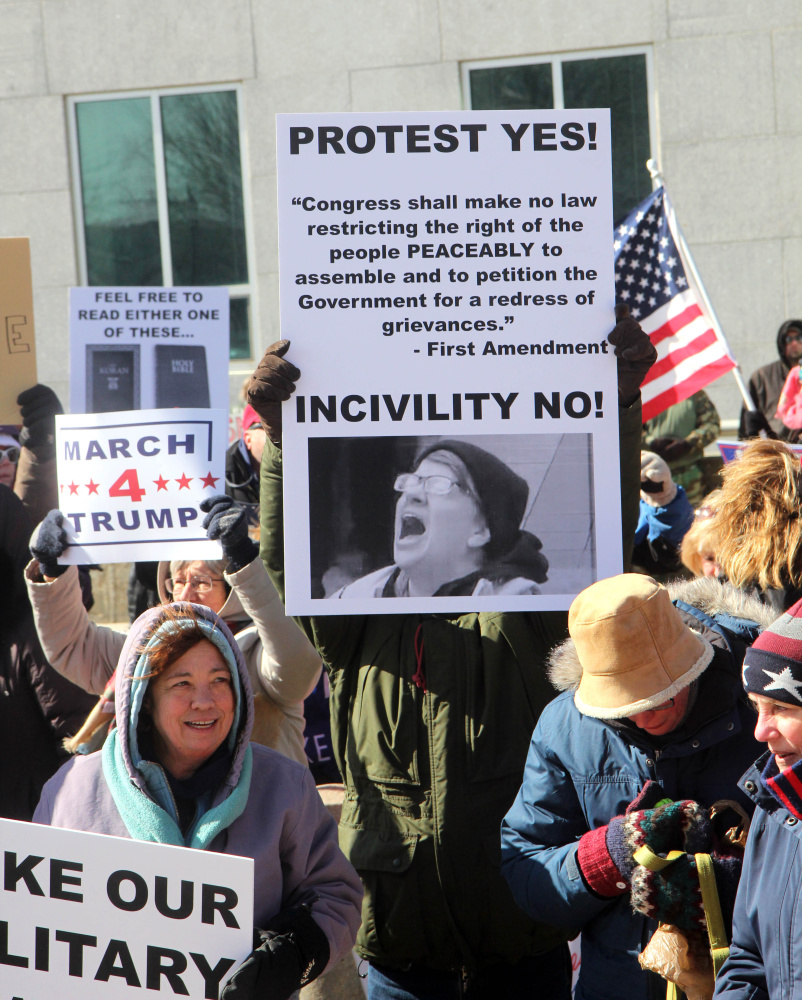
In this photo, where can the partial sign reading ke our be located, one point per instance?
(90, 917)
(130, 483)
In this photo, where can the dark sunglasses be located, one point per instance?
(11, 453)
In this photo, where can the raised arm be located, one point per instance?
(289, 666)
(81, 651)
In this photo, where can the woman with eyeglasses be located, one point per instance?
(283, 666)
(9, 456)
(457, 530)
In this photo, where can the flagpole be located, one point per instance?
(657, 181)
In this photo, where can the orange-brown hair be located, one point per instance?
(173, 641)
(757, 535)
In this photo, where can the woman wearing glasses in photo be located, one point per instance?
(283, 666)
(457, 530)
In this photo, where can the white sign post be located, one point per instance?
(446, 275)
(89, 917)
(146, 348)
(130, 483)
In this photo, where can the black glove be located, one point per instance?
(635, 352)
(48, 542)
(38, 407)
(227, 522)
(272, 382)
(755, 422)
(288, 954)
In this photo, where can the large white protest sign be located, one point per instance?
(130, 483)
(145, 348)
(90, 917)
(448, 276)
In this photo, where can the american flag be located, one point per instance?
(653, 279)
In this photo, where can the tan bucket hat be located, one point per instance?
(636, 652)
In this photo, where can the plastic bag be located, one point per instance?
(671, 956)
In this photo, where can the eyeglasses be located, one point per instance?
(199, 583)
(10, 454)
(792, 335)
(437, 486)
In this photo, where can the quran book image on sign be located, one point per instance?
(112, 378)
(182, 377)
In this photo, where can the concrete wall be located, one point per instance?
(729, 117)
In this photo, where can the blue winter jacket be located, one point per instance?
(669, 524)
(766, 953)
(580, 773)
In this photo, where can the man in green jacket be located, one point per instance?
(431, 718)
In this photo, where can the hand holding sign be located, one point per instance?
(271, 384)
(227, 521)
(292, 950)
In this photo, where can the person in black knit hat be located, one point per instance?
(457, 530)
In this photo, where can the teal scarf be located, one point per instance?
(146, 820)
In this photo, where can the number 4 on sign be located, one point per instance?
(127, 485)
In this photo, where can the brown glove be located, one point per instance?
(635, 352)
(273, 382)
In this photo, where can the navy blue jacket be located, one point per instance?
(580, 773)
(766, 954)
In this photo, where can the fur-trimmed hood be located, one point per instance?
(707, 594)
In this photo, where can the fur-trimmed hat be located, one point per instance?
(635, 650)
(773, 663)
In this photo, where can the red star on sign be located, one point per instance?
(161, 484)
(92, 486)
(183, 482)
(73, 489)
(209, 480)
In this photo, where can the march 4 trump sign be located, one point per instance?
(130, 483)
(85, 916)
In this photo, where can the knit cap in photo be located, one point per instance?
(773, 663)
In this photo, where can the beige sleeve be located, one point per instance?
(83, 652)
(289, 666)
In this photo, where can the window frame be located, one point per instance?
(246, 290)
(556, 60)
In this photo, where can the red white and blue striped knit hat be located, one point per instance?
(773, 663)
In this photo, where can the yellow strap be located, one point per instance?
(715, 920)
(671, 990)
(645, 856)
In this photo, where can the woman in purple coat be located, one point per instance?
(179, 769)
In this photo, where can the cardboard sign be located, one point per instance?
(146, 348)
(130, 483)
(90, 917)
(448, 276)
(17, 339)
